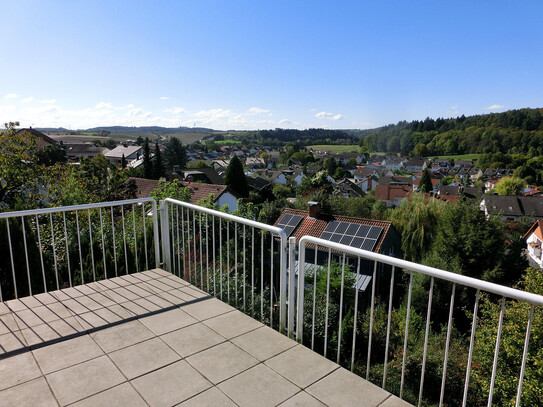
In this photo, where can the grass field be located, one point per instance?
(460, 157)
(335, 148)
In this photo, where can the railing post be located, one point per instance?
(165, 235)
(291, 279)
(155, 232)
(300, 299)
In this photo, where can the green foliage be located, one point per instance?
(158, 165)
(509, 186)
(198, 164)
(174, 153)
(425, 184)
(281, 191)
(174, 190)
(235, 177)
(147, 164)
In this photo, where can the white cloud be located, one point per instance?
(164, 98)
(176, 110)
(27, 100)
(453, 110)
(12, 96)
(257, 110)
(103, 105)
(496, 107)
(7, 108)
(330, 116)
(48, 101)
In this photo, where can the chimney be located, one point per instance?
(313, 209)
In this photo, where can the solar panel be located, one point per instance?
(352, 234)
(289, 222)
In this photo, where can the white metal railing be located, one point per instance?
(377, 272)
(230, 257)
(74, 245)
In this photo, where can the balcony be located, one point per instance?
(123, 303)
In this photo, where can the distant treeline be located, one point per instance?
(511, 132)
(278, 137)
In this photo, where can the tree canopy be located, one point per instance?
(235, 177)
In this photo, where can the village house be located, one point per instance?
(392, 195)
(130, 153)
(534, 240)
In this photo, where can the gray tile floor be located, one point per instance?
(152, 339)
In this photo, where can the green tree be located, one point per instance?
(509, 186)
(425, 184)
(147, 163)
(235, 177)
(174, 153)
(158, 167)
(172, 190)
(330, 165)
(123, 162)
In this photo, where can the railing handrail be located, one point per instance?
(229, 216)
(429, 271)
(54, 209)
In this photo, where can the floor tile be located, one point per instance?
(302, 399)
(301, 365)
(191, 339)
(35, 393)
(83, 380)
(263, 343)
(121, 395)
(207, 308)
(212, 397)
(8, 323)
(258, 386)
(12, 341)
(66, 353)
(394, 401)
(221, 362)
(143, 357)
(52, 331)
(343, 389)
(171, 384)
(232, 324)
(121, 336)
(167, 321)
(18, 369)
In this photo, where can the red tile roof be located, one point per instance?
(198, 191)
(315, 226)
(536, 228)
(390, 192)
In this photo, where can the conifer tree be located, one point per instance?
(158, 167)
(425, 184)
(235, 177)
(147, 164)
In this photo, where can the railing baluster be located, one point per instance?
(79, 244)
(91, 248)
(194, 245)
(262, 276)
(524, 356)
(314, 299)
(496, 351)
(406, 333)
(188, 246)
(103, 243)
(390, 295)
(67, 248)
(207, 253)
(220, 255)
(341, 308)
(201, 252)
(214, 256)
(54, 249)
(244, 261)
(124, 240)
(355, 316)
(426, 335)
(271, 281)
(114, 245)
(372, 307)
(41, 253)
(470, 354)
(327, 302)
(143, 215)
(228, 261)
(171, 248)
(446, 357)
(11, 258)
(236, 262)
(135, 238)
(177, 232)
(183, 271)
(26, 256)
(253, 272)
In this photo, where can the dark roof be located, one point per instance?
(506, 205)
(531, 205)
(84, 148)
(315, 226)
(394, 180)
(210, 173)
(39, 134)
(257, 182)
(347, 187)
(144, 186)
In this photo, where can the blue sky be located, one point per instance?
(266, 64)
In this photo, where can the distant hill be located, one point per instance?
(512, 132)
(131, 130)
